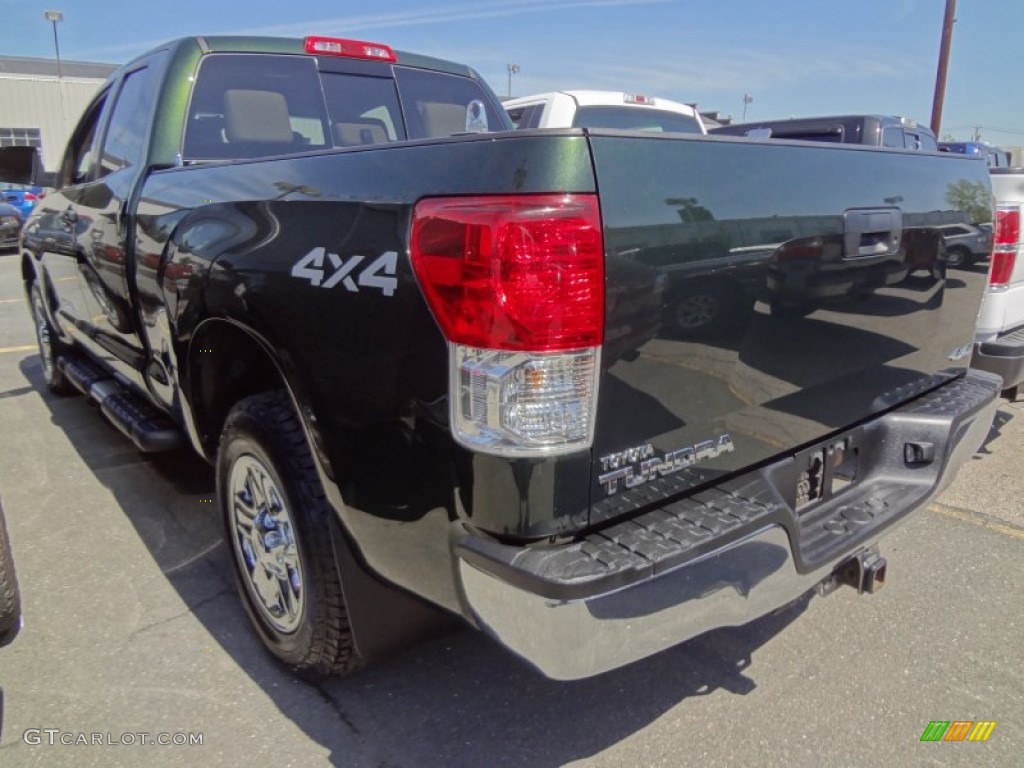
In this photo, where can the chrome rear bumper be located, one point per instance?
(637, 588)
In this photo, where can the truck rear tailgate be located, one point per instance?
(763, 296)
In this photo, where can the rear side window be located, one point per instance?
(255, 105)
(526, 117)
(892, 137)
(438, 104)
(635, 119)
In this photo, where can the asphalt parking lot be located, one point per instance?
(132, 627)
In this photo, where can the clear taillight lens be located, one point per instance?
(521, 403)
(516, 284)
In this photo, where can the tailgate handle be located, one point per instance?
(871, 232)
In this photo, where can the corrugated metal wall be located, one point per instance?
(44, 103)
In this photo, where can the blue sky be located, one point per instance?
(793, 57)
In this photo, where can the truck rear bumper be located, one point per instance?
(1003, 356)
(722, 557)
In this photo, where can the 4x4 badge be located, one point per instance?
(636, 466)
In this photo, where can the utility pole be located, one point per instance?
(940, 75)
(747, 99)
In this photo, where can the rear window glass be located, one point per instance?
(635, 119)
(437, 104)
(363, 110)
(810, 134)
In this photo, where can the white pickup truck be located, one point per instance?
(999, 338)
(603, 109)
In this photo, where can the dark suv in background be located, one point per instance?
(874, 130)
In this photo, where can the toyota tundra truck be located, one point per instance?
(425, 352)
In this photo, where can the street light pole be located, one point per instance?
(512, 70)
(54, 17)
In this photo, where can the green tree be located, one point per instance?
(972, 197)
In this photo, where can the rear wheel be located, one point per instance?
(50, 348)
(279, 528)
(960, 257)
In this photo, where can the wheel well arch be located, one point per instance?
(226, 363)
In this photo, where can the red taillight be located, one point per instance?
(523, 272)
(30, 197)
(353, 49)
(1005, 242)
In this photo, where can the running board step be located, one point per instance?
(147, 426)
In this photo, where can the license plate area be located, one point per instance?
(823, 472)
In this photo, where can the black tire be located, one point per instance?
(50, 347)
(264, 466)
(959, 257)
(10, 597)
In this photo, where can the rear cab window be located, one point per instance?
(635, 119)
(259, 105)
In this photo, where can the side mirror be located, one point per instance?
(22, 165)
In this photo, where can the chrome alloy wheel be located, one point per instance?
(265, 545)
(43, 334)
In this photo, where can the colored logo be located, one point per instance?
(958, 730)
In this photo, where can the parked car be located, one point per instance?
(999, 336)
(603, 109)
(872, 130)
(10, 597)
(23, 198)
(966, 244)
(10, 225)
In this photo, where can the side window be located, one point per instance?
(892, 137)
(533, 115)
(80, 159)
(122, 147)
(927, 142)
(527, 116)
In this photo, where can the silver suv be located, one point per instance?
(966, 244)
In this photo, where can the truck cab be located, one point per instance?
(871, 130)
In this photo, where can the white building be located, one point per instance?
(40, 109)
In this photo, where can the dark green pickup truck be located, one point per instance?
(441, 363)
